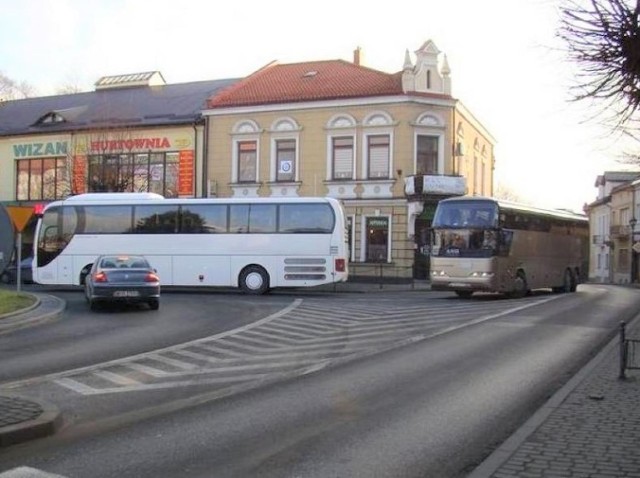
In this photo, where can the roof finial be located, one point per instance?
(408, 65)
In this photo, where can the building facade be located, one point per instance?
(389, 146)
(613, 218)
(133, 133)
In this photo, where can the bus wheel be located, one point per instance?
(464, 294)
(567, 284)
(254, 280)
(574, 281)
(520, 287)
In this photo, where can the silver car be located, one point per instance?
(122, 279)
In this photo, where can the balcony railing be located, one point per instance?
(620, 231)
(434, 184)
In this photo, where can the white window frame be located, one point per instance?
(429, 124)
(244, 131)
(352, 248)
(339, 126)
(363, 236)
(283, 129)
(377, 123)
(330, 156)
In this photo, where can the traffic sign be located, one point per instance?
(20, 216)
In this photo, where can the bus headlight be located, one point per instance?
(483, 275)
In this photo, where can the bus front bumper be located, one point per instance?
(473, 284)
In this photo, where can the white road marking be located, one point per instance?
(279, 345)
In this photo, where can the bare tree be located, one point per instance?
(507, 193)
(603, 38)
(69, 89)
(12, 90)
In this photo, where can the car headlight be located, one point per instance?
(438, 273)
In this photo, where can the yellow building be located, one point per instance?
(389, 146)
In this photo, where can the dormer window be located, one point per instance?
(51, 118)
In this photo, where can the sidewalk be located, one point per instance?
(589, 428)
(23, 419)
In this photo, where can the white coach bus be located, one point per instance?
(489, 245)
(252, 243)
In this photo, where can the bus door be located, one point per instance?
(421, 261)
(65, 269)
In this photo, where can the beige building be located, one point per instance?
(615, 238)
(389, 146)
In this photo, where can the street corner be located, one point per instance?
(23, 419)
(45, 308)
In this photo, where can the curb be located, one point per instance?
(46, 420)
(503, 453)
(26, 309)
(52, 308)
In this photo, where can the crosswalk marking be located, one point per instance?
(115, 378)
(302, 338)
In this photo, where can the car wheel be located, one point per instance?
(464, 294)
(5, 278)
(154, 304)
(254, 280)
(87, 294)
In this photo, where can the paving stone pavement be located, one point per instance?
(589, 430)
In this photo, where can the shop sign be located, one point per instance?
(31, 150)
(185, 173)
(378, 222)
(444, 185)
(130, 144)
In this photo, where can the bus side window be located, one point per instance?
(504, 245)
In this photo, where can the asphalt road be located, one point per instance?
(434, 405)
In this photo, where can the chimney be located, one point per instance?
(357, 56)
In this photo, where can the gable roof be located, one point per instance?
(174, 104)
(616, 176)
(309, 81)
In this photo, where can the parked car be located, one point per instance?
(123, 279)
(10, 274)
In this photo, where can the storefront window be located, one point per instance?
(377, 237)
(42, 178)
(155, 172)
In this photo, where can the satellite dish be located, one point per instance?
(7, 238)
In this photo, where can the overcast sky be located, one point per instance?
(507, 64)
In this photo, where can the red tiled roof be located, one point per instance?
(308, 81)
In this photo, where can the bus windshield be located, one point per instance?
(466, 214)
(465, 243)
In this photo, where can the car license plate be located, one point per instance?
(126, 293)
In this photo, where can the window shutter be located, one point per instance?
(343, 163)
(379, 161)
